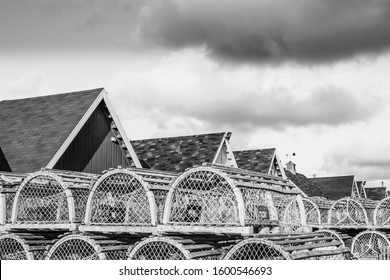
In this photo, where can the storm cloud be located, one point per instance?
(247, 31)
(269, 31)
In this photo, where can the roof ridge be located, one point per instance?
(249, 150)
(181, 136)
(56, 94)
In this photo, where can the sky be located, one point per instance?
(309, 77)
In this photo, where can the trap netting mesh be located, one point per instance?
(382, 213)
(42, 199)
(120, 198)
(370, 245)
(204, 197)
(347, 212)
(256, 250)
(74, 249)
(11, 248)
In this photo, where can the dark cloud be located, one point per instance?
(306, 31)
(264, 31)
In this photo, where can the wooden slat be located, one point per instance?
(115, 248)
(205, 253)
(296, 241)
(303, 255)
(198, 246)
(37, 248)
(312, 246)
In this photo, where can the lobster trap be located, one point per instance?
(316, 246)
(9, 183)
(382, 213)
(178, 248)
(344, 238)
(24, 246)
(89, 247)
(232, 199)
(350, 213)
(371, 245)
(300, 215)
(51, 199)
(323, 206)
(127, 200)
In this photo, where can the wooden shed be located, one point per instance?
(76, 131)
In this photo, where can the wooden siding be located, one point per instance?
(3, 162)
(92, 150)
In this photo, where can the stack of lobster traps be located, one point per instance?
(362, 224)
(207, 212)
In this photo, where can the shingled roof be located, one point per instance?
(259, 160)
(304, 183)
(179, 153)
(378, 193)
(36, 131)
(334, 187)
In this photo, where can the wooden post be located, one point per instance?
(3, 209)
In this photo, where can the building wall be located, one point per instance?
(92, 150)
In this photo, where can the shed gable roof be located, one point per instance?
(33, 129)
(258, 160)
(302, 182)
(378, 193)
(178, 153)
(335, 187)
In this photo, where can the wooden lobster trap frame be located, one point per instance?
(220, 199)
(351, 213)
(300, 215)
(9, 183)
(179, 248)
(127, 200)
(89, 247)
(371, 244)
(24, 246)
(51, 199)
(382, 213)
(289, 247)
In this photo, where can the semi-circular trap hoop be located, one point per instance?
(347, 212)
(370, 244)
(220, 195)
(51, 199)
(125, 197)
(172, 248)
(256, 249)
(23, 246)
(300, 214)
(85, 247)
(382, 213)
